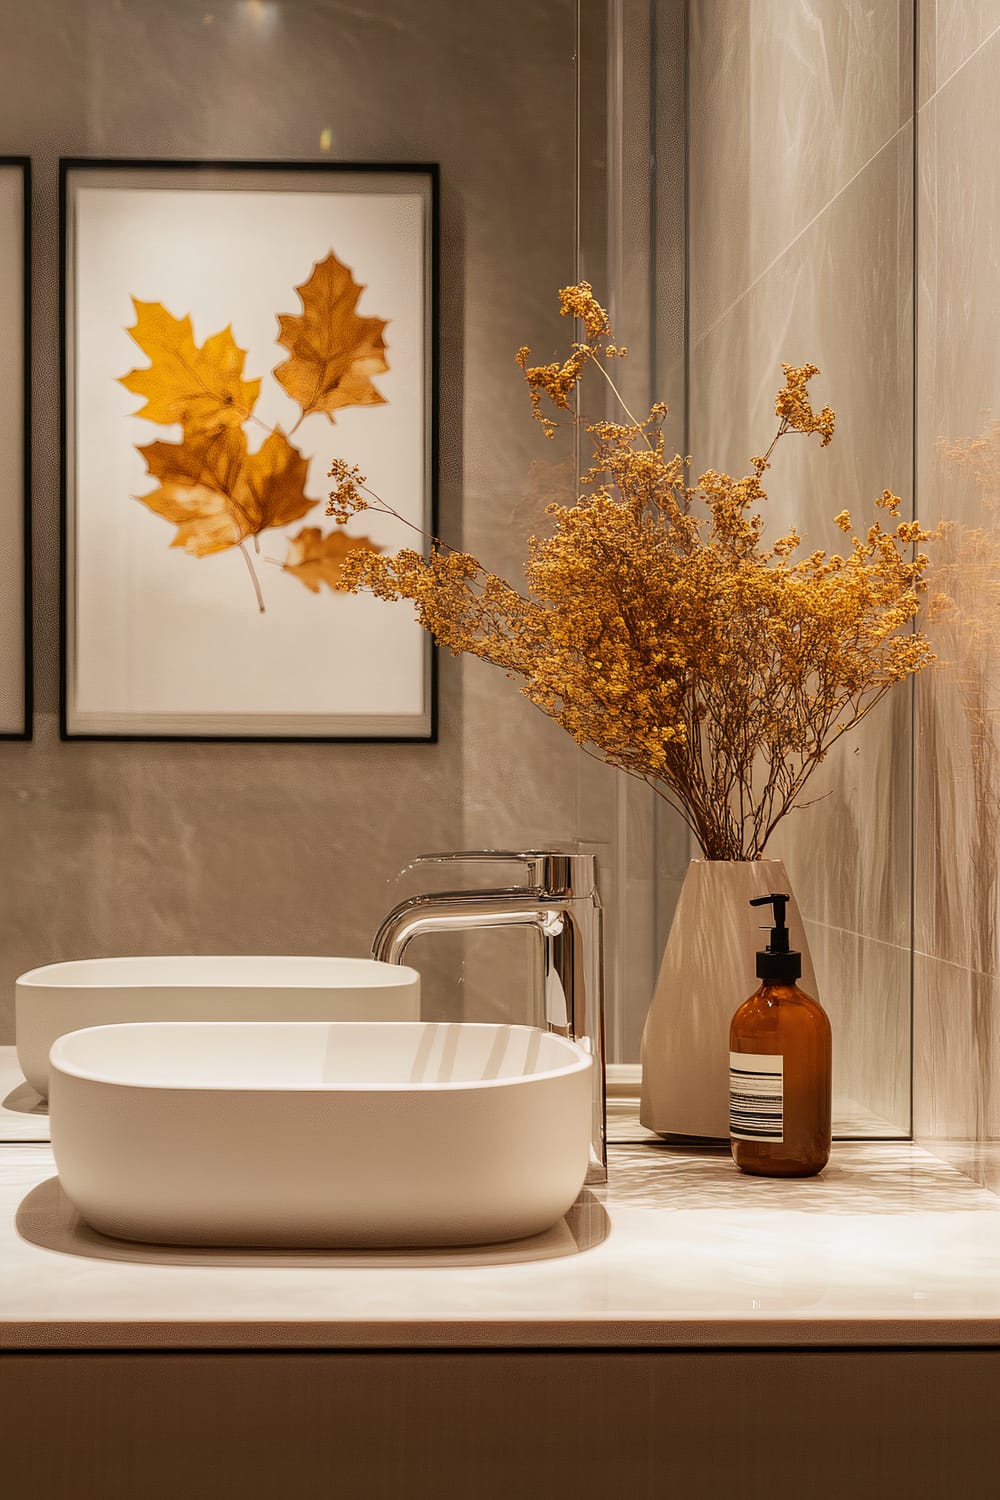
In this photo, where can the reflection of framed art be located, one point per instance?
(15, 448)
(230, 329)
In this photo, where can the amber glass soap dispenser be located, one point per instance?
(779, 1067)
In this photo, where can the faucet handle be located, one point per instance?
(549, 871)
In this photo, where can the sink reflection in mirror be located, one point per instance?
(57, 998)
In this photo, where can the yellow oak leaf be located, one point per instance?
(217, 493)
(202, 389)
(334, 351)
(314, 559)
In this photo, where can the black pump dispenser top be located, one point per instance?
(777, 963)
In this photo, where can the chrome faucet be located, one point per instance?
(559, 901)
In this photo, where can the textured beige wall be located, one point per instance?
(115, 848)
(957, 887)
(801, 150)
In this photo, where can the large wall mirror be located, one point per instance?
(738, 181)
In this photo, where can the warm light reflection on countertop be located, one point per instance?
(889, 1246)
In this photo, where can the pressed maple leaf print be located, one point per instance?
(333, 350)
(209, 485)
(202, 389)
(314, 558)
(217, 493)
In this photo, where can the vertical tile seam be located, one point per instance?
(800, 234)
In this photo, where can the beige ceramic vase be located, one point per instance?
(708, 970)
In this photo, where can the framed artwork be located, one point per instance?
(229, 329)
(15, 448)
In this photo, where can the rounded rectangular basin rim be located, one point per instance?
(579, 1060)
(113, 972)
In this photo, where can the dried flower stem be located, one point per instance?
(253, 575)
(657, 628)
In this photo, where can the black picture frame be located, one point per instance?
(114, 674)
(16, 695)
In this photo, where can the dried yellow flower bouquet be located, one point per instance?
(657, 626)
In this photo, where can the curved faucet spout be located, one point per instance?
(456, 911)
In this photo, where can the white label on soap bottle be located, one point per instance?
(756, 1096)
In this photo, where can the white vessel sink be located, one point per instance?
(102, 991)
(306, 1133)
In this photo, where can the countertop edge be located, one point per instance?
(609, 1335)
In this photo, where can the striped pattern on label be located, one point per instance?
(756, 1096)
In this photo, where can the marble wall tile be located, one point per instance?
(957, 747)
(787, 103)
(959, 375)
(957, 824)
(948, 33)
(864, 987)
(801, 250)
(850, 848)
(958, 742)
(956, 1052)
(839, 297)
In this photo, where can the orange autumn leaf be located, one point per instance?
(314, 559)
(202, 389)
(334, 351)
(217, 493)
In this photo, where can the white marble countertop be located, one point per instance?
(890, 1246)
